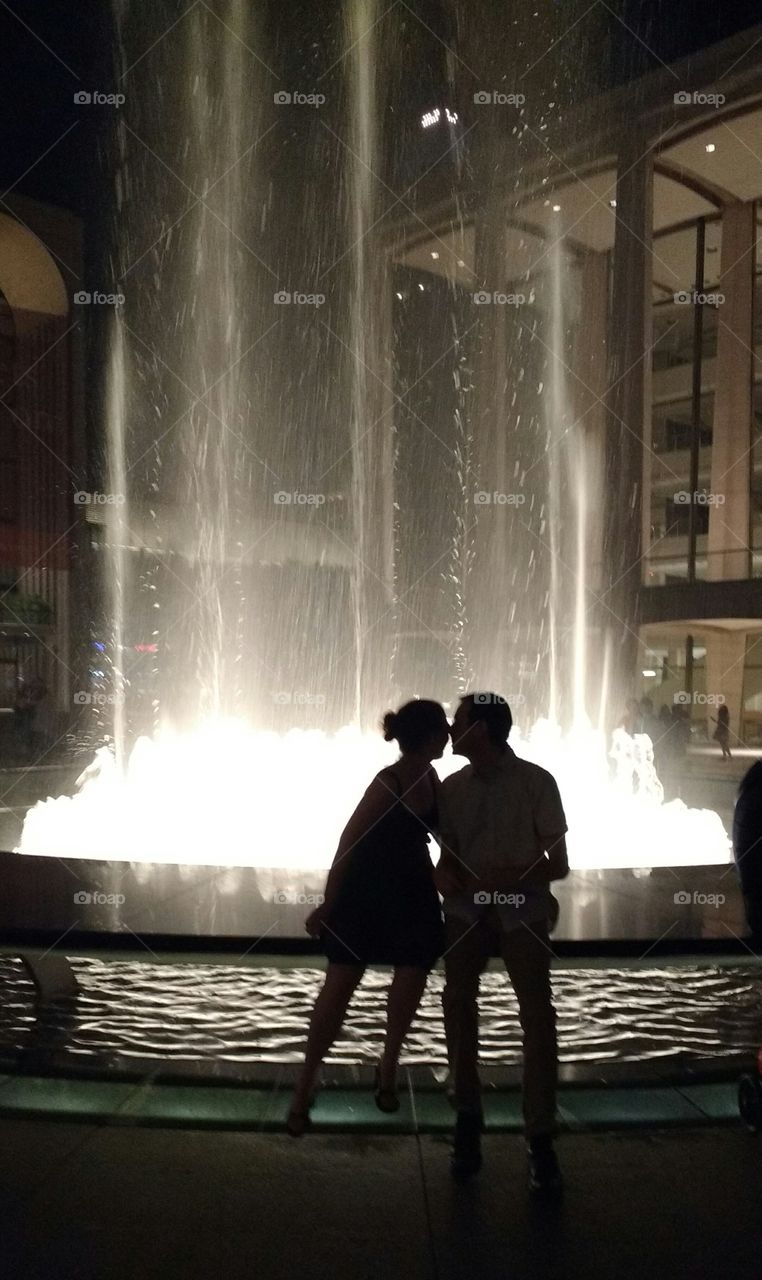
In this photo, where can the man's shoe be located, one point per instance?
(544, 1173)
(466, 1155)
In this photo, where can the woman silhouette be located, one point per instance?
(381, 906)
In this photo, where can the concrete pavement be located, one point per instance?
(83, 1202)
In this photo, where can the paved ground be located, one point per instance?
(83, 1202)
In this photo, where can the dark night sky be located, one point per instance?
(38, 82)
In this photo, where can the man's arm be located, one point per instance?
(558, 858)
(551, 828)
(552, 863)
(449, 874)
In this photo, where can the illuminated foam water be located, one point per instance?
(227, 795)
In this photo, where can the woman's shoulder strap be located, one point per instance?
(388, 776)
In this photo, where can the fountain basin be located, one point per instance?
(60, 895)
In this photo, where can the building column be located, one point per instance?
(725, 666)
(629, 410)
(730, 488)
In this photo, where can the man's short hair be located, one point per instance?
(493, 711)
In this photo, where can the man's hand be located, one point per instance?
(449, 879)
(536, 876)
(502, 879)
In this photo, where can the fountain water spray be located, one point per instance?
(223, 792)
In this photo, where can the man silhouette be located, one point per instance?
(502, 835)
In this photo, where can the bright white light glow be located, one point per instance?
(430, 118)
(228, 795)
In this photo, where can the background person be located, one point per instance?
(23, 715)
(721, 734)
(631, 720)
(649, 722)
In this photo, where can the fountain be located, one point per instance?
(250, 423)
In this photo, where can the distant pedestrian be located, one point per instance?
(721, 734)
(632, 718)
(662, 740)
(23, 715)
(648, 721)
(682, 730)
(40, 735)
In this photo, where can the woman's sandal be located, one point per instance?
(386, 1099)
(298, 1121)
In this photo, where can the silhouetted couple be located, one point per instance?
(501, 827)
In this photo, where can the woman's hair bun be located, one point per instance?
(390, 726)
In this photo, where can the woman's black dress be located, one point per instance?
(386, 909)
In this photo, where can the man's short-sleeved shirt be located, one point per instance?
(507, 818)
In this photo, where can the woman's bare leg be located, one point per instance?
(325, 1024)
(405, 993)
